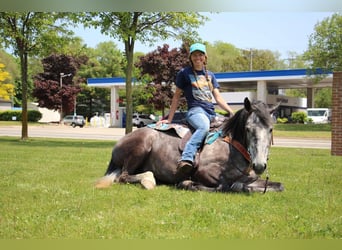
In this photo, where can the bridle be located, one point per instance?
(237, 145)
(242, 150)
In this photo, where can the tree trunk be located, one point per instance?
(129, 49)
(23, 63)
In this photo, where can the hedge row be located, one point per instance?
(10, 115)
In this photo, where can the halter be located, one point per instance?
(242, 150)
(246, 155)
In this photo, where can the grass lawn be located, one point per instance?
(318, 131)
(47, 193)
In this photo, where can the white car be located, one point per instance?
(141, 120)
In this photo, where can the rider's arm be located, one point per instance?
(174, 105)
(221, 102)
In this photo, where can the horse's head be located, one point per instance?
(258, 129)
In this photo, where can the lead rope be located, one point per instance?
(267, 175)
(266, 182)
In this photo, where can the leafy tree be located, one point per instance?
(142, 93)
(294, 61)
(54, 88)
(11, 65)
(325, 52)
(162, 66)
(93, 100)
(225, 57)
(6, 88)
(323, 98)
(105, 60)
(146, 27)
(24, 33)
(325, 44)
(62, 44)
(258, 60)
(222, 57)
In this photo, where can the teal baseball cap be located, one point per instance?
(199, 47)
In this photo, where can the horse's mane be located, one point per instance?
(235, 126)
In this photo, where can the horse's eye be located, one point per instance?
(271, 130)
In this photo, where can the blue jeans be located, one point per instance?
(199, 119)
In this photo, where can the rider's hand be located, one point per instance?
(162, 122)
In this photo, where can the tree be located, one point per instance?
(146, 27)
(323, 98)
(54, 88)
(24, 33)
(222, 57)
(225, 57)
(325, 52)
(6, 88)
(105, 60)
(294, 61)
(253, 59)
(325, 44)
(162, 66)
(11, 65)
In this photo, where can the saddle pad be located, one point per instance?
(180, 130)
(212, 136)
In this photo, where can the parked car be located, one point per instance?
(319, 115)
(141, 120)
(179, 117)
(74, 120)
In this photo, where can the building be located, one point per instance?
(266, 86)
(5, 104)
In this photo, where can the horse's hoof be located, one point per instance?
(148, 182)
(186, 185)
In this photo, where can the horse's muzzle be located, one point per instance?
(259, 168)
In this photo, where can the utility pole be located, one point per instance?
(61, 76)
(251, 59)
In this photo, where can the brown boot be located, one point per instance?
(184, 167)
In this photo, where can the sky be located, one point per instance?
(275, 31)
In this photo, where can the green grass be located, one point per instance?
(47, 193)
(18, 123)
(318, 131)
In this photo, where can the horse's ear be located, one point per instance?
(274, 107)
(247, 104)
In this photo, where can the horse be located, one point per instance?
(233, 162)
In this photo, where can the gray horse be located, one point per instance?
(231, 163)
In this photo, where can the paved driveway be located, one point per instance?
(61, 131)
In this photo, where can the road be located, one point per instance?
(61, 131)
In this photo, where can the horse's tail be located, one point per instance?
(110, 176)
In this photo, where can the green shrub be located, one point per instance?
(34, 116)
(282, 120)
(9, 115)
(299, 117)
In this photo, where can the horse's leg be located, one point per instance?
(194, 186)
(261, 185)
(146, 179)
(127, 156)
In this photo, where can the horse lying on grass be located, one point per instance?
(231, 163)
